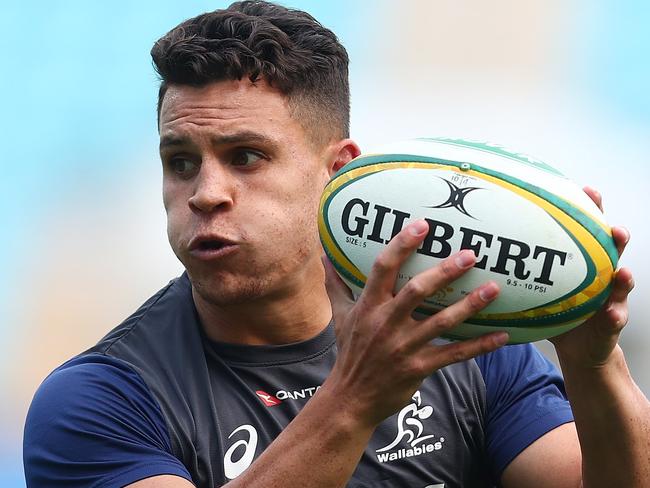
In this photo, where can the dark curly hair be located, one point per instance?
(287, 48)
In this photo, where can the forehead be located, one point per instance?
(225, 106)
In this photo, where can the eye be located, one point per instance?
(183, 167)
(246, 157)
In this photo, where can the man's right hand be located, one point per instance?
(383, 352)
(383, 356)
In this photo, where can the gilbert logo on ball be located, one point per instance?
(534, 232)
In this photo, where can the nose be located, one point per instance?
(213, 189)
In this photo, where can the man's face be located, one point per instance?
(241, 184)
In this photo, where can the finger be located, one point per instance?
(610, 320)
(621, 237)
(430, 281)
(454, 314)
(613, 316)
(595, 196)
(622, 286)
(616, 317)
(381, 280)
(339, 294)
(435, 357)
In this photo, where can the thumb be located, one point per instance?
(339, 293)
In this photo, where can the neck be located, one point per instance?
(289, 315)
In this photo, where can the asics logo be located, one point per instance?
(234, 462)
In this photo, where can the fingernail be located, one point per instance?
(488, 291)
(627, 235)
(418, 227)
(465, 259)
(501, 338)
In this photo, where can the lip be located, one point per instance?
(208, 247)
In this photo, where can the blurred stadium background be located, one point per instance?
(84, 238)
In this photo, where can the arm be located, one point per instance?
(610, 442)
(612, 415)
(613, 423)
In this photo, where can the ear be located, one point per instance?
(343, 152)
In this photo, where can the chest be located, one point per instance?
(436, 440)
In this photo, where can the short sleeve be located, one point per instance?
(525, 400)
(93, 422)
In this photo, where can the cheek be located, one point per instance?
(307, 200)
(174, 208)
(173, 234)
(299, 227)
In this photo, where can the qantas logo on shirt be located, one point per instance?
(410, 431)
(272, 400)
(268, 399)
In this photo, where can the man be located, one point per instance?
(233, 373)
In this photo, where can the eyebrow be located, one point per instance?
(243, 137)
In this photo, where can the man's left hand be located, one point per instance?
(591, 344)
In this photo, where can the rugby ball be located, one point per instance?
(534, 232)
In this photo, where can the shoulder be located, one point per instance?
(90, 383)
(169, 307)
(93, 420)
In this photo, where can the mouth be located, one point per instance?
(207, 248)
(210, 245)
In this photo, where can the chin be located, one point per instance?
(227, 290)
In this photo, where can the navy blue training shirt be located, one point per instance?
(155, 397)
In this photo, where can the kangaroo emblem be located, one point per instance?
(409, 426)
